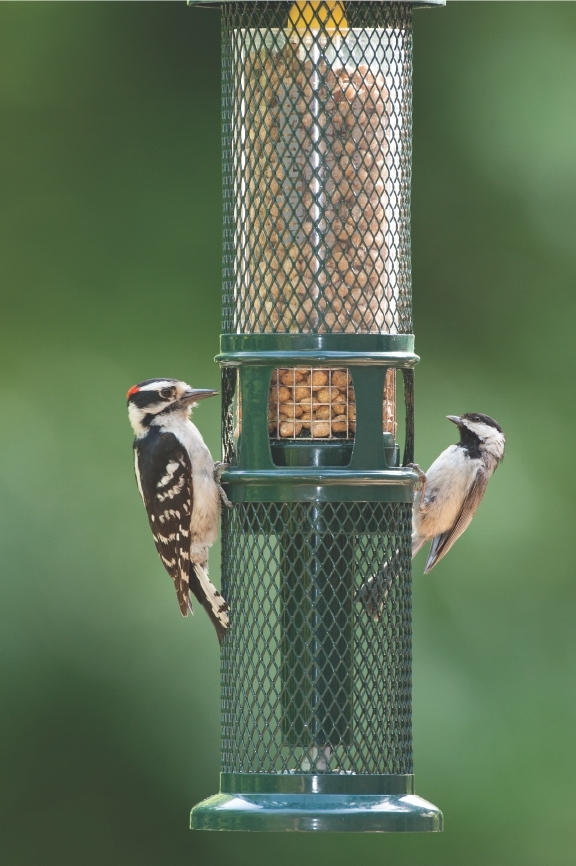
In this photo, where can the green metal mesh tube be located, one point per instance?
(311, 682)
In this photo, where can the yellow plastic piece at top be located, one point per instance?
(327, 15)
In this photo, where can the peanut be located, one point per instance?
(320, 429)
(339, 378)
(327, 395)
(339, 426)
(292, 410)
(301, 393)
(319, 377)
(289, 429)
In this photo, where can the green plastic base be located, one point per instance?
(314, 809)
(328, 813)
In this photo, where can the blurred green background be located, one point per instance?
(110, 273)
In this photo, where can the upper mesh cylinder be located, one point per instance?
(317, 132)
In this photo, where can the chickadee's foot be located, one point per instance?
(418, 471)
(218, 470)
(422, 481)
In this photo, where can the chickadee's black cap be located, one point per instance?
(479, 418)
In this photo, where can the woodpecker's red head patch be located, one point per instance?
(133, 390)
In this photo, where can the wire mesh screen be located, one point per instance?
(316, 669)
(319, 403)
(317, 156)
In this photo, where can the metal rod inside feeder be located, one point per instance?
(317, 591)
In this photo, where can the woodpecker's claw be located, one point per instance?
(218, 470)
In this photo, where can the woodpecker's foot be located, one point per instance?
(218, 470)
(422, 481)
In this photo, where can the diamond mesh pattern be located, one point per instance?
(317, 155)
(316, 669)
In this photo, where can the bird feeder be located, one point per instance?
(317, 334)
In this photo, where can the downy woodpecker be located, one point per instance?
(179, 485)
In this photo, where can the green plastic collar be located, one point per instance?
(331, 350)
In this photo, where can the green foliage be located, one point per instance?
(110, 273)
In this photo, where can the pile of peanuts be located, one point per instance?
(320, 403)
(311, 402)
(316, 143)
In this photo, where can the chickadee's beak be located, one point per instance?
(194, 395)
(454, 418)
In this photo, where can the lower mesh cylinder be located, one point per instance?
(316, 669)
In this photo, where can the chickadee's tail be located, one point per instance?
(215, 606)
(438, 549)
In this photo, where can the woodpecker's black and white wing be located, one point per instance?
(442, 543)
(164, 475)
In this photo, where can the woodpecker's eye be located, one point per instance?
(167, 393)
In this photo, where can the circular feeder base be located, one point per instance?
(329, 813)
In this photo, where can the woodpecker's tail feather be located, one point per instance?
(215, 606)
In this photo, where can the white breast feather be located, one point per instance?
(456, 472)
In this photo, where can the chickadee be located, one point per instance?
(180, 486)
(453, 487)
(449, 494)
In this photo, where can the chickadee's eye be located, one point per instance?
(166, 393)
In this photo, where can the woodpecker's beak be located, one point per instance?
(455, 419)
(194, 395)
